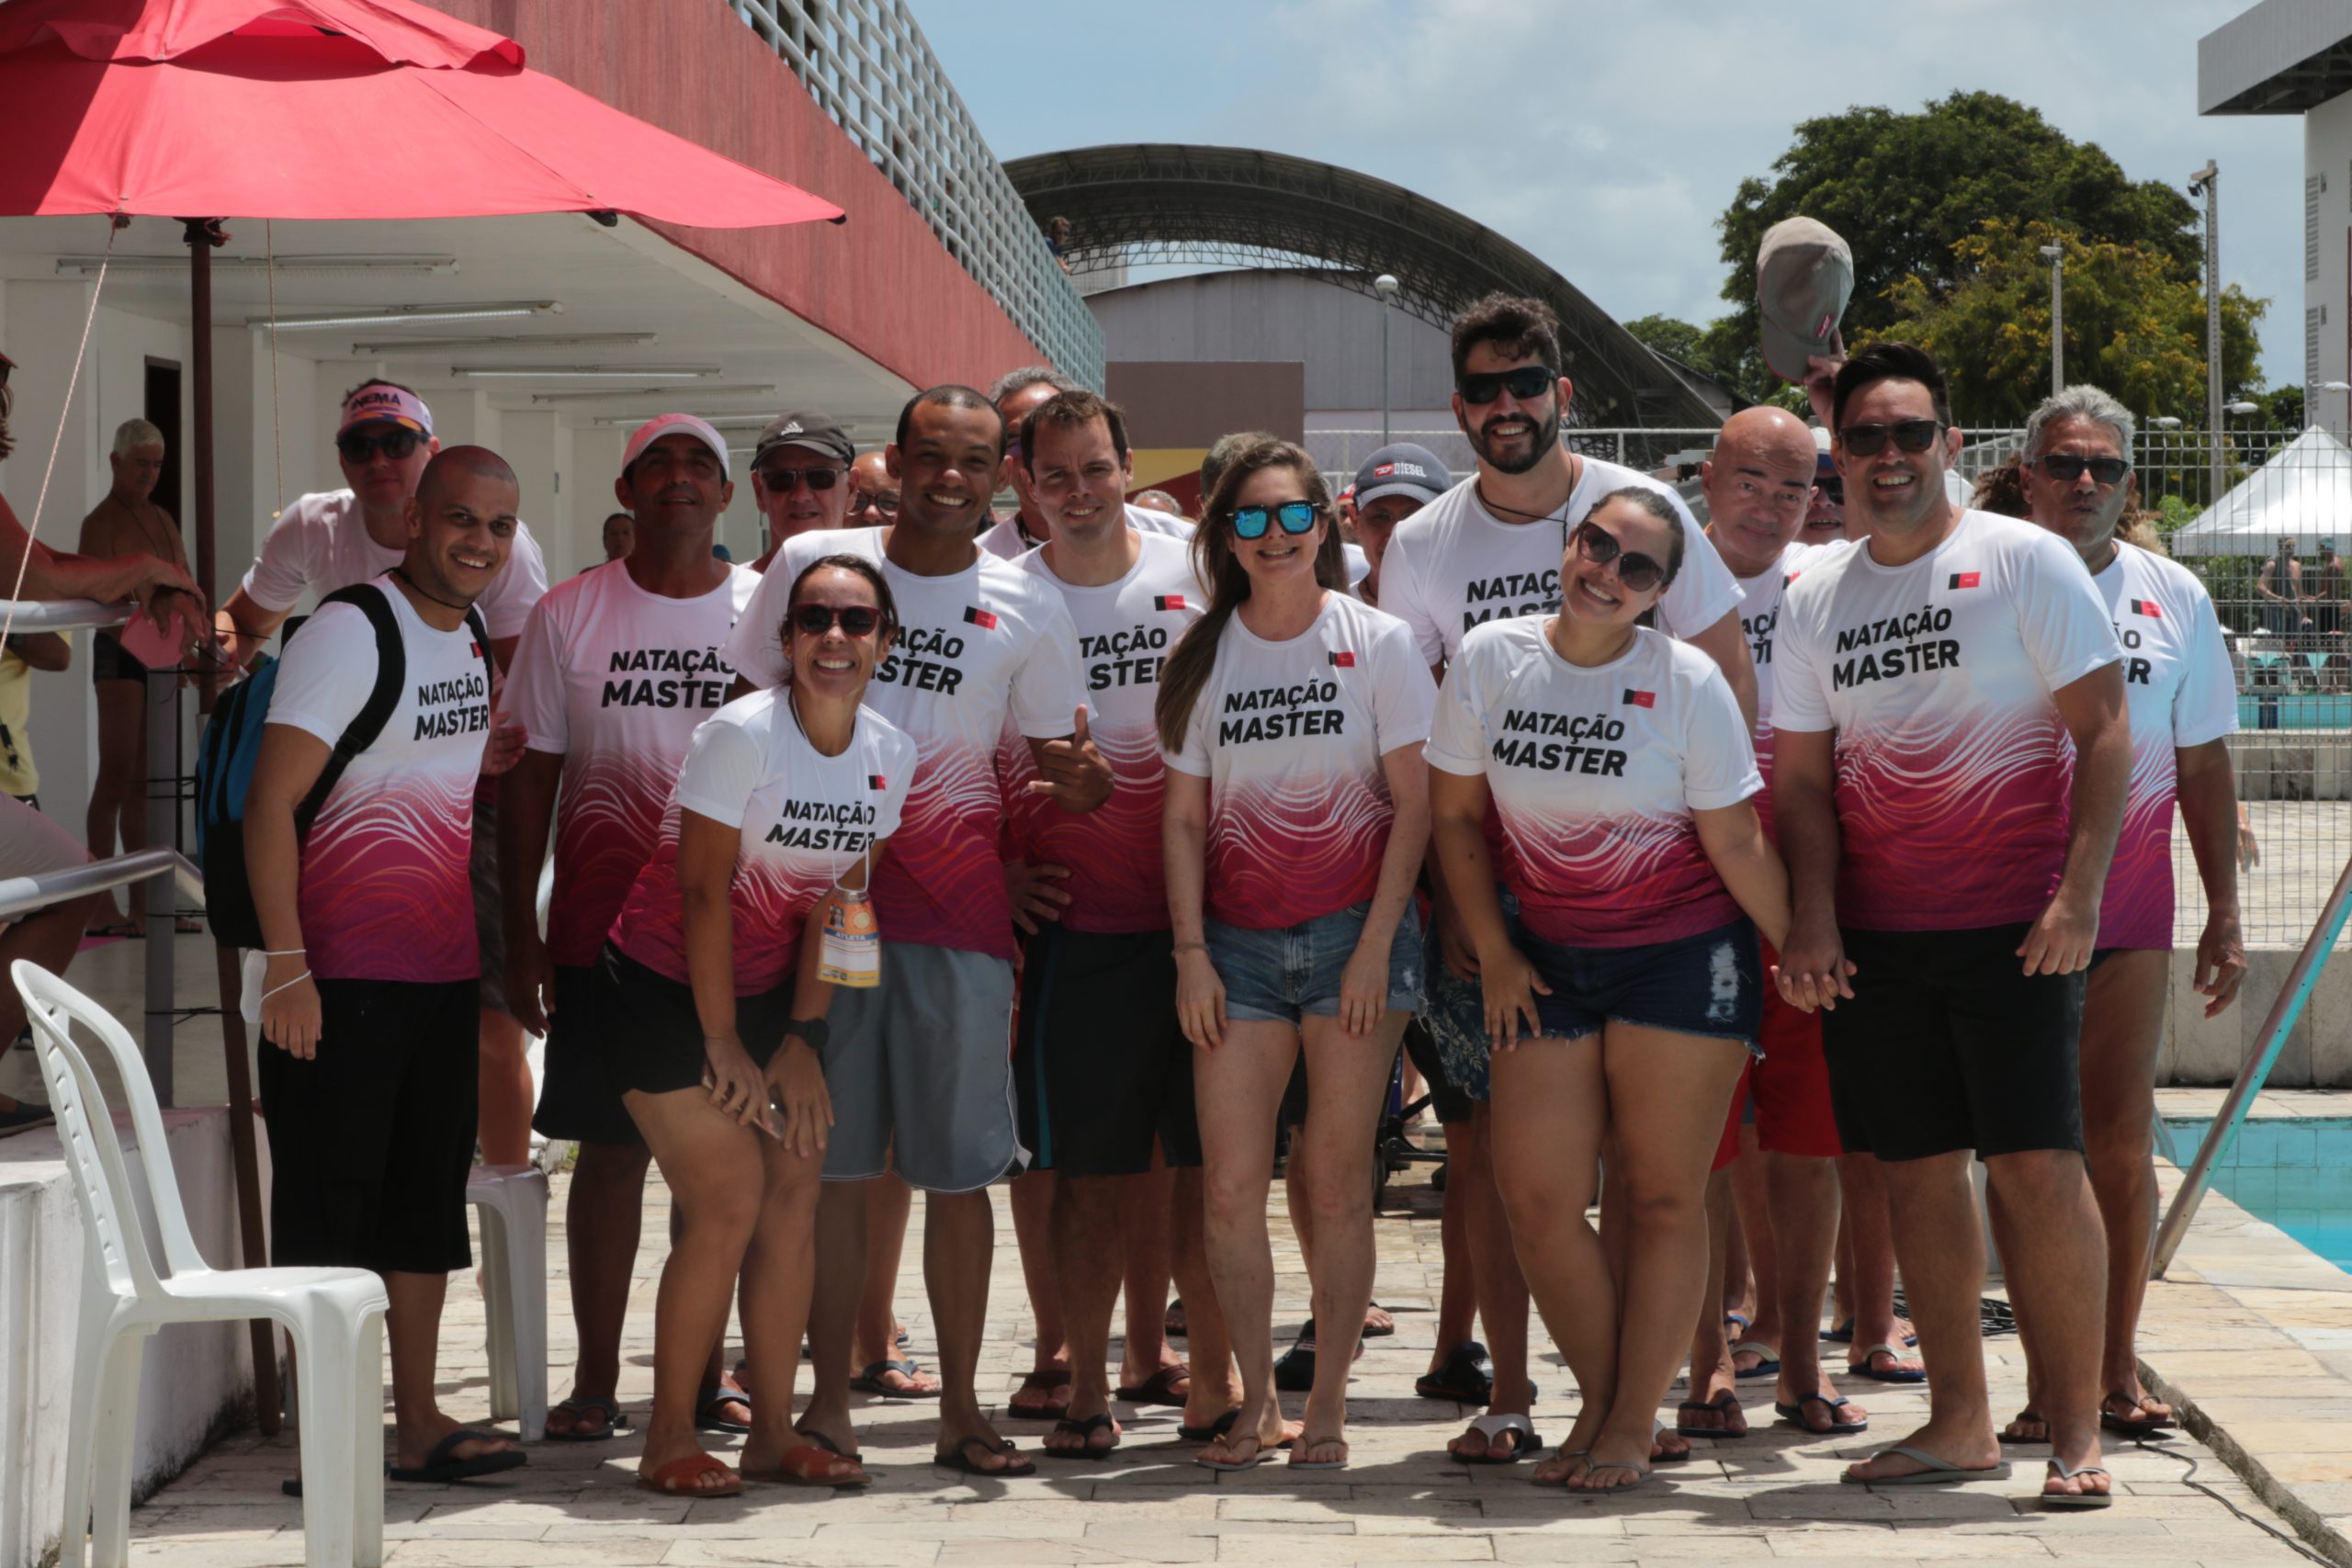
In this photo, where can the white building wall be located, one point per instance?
(2327, 284)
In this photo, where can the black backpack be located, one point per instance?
(224, 766)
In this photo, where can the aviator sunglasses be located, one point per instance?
(1599, 546)
(816, 620)
(1911, 434)
(358, 445)
(1527, 383)
(1296, 517)
(2066, 468)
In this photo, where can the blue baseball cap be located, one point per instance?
(1402, 468)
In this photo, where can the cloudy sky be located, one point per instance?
(1608, 138)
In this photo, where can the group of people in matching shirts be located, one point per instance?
(1641, 829)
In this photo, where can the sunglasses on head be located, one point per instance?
(1527, 383)
(2066, 468)
(1911, 434)
(780, 481)
(358, 445)
(1599, 546)
(1296, 517)
(855, 620)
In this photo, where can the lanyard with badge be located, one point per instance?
(849, 947)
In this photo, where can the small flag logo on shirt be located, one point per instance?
(1343, 661)
(876, 780)
(2146, 607)
(1168, 602)
(984, 619)
(1639, 699)
(1966, 579)
(475, 648)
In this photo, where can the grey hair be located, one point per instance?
(1028, 376)
(133, 434)
(2081, 400)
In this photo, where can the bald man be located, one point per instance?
(872, 494)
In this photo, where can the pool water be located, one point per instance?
(2295, 1173)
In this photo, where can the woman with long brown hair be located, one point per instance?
(1292, 717)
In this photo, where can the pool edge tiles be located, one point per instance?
(2249, 1337)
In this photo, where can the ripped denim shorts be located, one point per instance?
(1710, 984)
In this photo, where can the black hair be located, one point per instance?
(1890, 362)
(1518, 328)
(857, 566)
(1071, 410)
(950, 396)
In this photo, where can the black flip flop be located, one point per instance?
(440, 1468)
(1084, 1431)
(870, 1380)
(1793, 1414)
(960, 1457)
(1213, 1431)
(710, 1400)
(1466, 1377)
(1716, 1405)
(615, 1420)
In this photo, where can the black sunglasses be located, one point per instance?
(1599, 546)
(358, 446)
(1527, 383)
(816, 620)
(780, 481)
(2066, 468)
(1832, 486)
(886, 502)
(1911, 434)
(1295, 516)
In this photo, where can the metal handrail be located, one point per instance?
(22, 895)
(62, 614)
(2255, 1072)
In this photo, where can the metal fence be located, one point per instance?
(868, 66)
(2290, 645)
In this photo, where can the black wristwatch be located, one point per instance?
(812, 1029)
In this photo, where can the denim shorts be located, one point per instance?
(1711, 984)
(1455, 1013)
(1284, 975)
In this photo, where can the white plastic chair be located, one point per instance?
(513, 1203)
(336, 1315)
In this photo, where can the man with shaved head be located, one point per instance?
(370, 998)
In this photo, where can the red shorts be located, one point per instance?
(1790, 1086)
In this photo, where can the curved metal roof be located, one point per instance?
(1147, 202)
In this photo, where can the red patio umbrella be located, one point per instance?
(213, 109)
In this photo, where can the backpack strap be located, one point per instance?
(391, 674)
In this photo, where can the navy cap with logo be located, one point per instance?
(1402, 468)
(813, 432)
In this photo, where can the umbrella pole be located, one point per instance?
(202, 235)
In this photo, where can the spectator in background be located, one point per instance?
(800, 477)
(20, 654)
(127, 520)
(2329, 590)
(1017, 394)
(1159, 501)
(620, 536)
(1057, 241)
(872, 494)
(2284, 591)
(2002, 490)
(1825, 520)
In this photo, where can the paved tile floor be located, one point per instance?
(1772, 1496)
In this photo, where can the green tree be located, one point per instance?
(1903, 189)
(2132, 326)
(1670, 336)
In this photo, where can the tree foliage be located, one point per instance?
(2132, 325)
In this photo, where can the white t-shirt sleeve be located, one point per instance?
(1718, 754)
(518, 590)
(535, 693)
(1400, 595)
(755, 648)
(292, 559)
(1403, 695)
(2065, 626)
(327, 674)
(722, 768)
(1704, 590)
(1192, 756)
(1048, 689)
(1800, 700)
(1457, 735)
(2205, 707)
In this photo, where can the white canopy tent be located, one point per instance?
(2304, 491)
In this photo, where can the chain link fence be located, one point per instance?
(2287, 618)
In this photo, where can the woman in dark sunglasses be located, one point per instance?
(1291, 716)
(1625, 1001)
(715, 1013)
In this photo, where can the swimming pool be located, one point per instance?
(2294, 1172)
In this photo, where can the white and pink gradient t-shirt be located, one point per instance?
(1595, 771)
(614, 680)
(1118, 880)
(978, 650)
(1289, 736)
(805, 820)
(2181, 691)
(1952, 763)
(1759, 622)
(384, 889)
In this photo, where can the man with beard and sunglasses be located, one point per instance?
(1947, 883)
(1490, 548)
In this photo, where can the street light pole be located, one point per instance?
(2057, 254)
(2207, 182)
(1385, 285)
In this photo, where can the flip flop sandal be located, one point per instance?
(1369, 1332)
(1641, 1477)
(1159, 1388)
(1172, 1321)
(1084, 1432)
(1562, 1483)
(590, 1404)
(1466, 1377)
(870, 1380)
(676, 1479)
(442, 1467)
(1793, 1414)
(1523, 1440)
(827, 1444)
(1213, 1431)
(1039, 1383)
(960, 1458)
(1305, 1443)
(1657, 1431)
(1861, 1365)
(2144, 1427)
(1259, 1455)
(1738, 1323)
(710, 1400)
(1844, 1334)
(2028, 1414)
(1723, 1404)
(1940, 1472)
(2058, 1472)
(810, 1464)
(1768, 1364)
